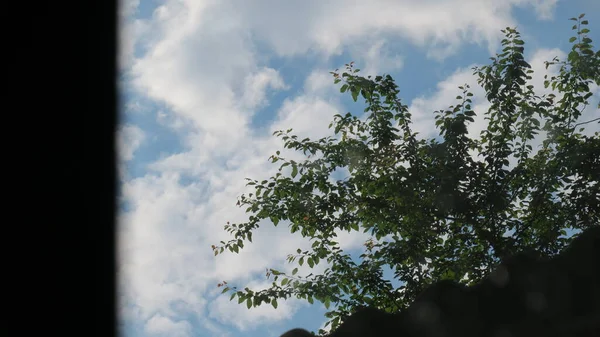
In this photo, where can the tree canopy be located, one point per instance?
(448, 207)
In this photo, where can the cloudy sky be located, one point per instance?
(204, 83)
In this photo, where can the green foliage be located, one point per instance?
(434, 210)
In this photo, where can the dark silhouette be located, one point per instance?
(368, 322)
(523, 291)
(446, 308)
(297, 333)
(580, 262)
(525, 295)
(363, 322)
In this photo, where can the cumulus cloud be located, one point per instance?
(165, 249)
(160, 325)
(131, 30)
(319, 83)
(256, 85)
(309, 116)
(129, 139)
(201, 58)
(544, 8)
(172, 121)
(156, 247)
(325, 27)
(191, 68)
(379, 59)
(128, 7)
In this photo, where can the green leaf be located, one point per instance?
(274, 303)
(294, 171)
(249, 303)
(275, 220)
(344, 88)
(355, 94)
(572, 39)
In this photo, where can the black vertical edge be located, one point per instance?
(100, 156)
(60, 89)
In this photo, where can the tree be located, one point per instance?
(447, 208)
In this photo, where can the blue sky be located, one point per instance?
(204, 84)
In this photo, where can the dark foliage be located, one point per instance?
(525, 295)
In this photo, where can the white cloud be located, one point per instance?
(131, 31)
(131, 34)
(165, 253)
(171, 121)
(128, 7)
(201, 60)
(327, 26)
(544, 8)
(133, 107)
(164, 326)
(378, 59)
(319, 83)
(129, 139)
(308, 116)
(201, 49)
(256, 85)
